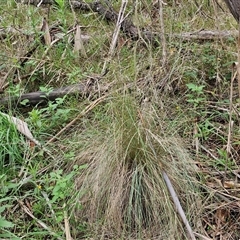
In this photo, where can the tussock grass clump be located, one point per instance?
(125, 190)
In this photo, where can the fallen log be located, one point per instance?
(40, 97)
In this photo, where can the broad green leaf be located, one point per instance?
(5, 224)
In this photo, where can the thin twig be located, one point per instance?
(117, 28)
(50, 207)
(202, 237)
(163, 39)
(178, 205)
(230, 124)
(116, 33)
(39, 3)
(81, 114)
(196, 139)
(207, 151)
(66, 223)
(42, 224)
(238, 65)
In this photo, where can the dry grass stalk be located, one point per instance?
(81, 114)
(238, 65)
(163, 39)
(66, 223)
(41, 223)
(230, 124)
(117, 27)
(196, 139)
(116, 33)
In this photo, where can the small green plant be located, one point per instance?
(52, 106)
(223, 162)
(60, 185)
(197, 95)
(35, 118)
(5, 225)
(60, 188)
(205, 128)
(46, 90)
(50, 116)
(61, 10)
(14, 90)
(61, 3)
(3, 222)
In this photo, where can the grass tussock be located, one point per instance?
(125, 190)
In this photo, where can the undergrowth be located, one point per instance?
(98, 171)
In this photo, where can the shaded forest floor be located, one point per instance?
(110, 116)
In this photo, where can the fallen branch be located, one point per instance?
(42, 97)
(199, 35)
(155, 38)
(206, 35)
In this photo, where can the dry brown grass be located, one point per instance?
(124, 189)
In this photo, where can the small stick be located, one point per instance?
(201, 236)
(116, 33)
(178, 205)
(238, 65)
(66, 223)
(195, 135)
(39, 3)
(163, 39)
(81, 114)
(117, 28)
(42, 224)
(230, 124)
